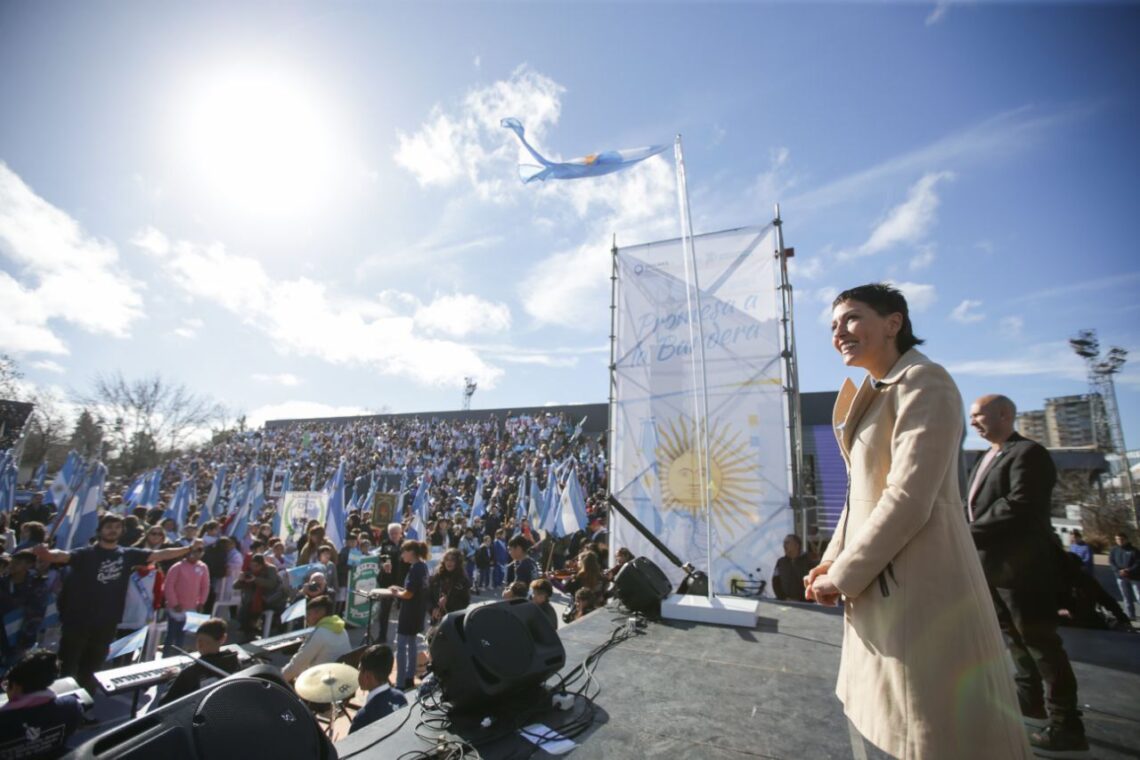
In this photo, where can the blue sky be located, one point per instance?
(305, 208)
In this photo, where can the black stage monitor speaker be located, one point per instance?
(492, 650)
(251, 714)
(641, 585)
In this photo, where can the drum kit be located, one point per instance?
(331, 683)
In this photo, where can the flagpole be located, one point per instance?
(791, 372)
(613, 381)
(701, 399)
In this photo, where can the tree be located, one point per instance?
(149, 417)
(87, 438)
(10, 377)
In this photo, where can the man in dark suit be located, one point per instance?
(1008, 503)
(375, 670)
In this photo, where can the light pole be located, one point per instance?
(1101, 370)
(469, 386)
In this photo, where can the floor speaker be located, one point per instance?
(641, 585)
(251, 714)
(493, 650)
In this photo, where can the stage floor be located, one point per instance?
(683, 690)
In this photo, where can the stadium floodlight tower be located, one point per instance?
(1101, 370)
(469, 386)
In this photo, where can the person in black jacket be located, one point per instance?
(211, 638)
(788, 575)
(1125, 561)
(1008, 505)
(449, 588)
(393, 571)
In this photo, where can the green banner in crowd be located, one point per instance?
(362, 578)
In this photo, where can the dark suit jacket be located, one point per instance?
(382, 705)
(1011, 527)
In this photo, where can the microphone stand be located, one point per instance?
(695, 582)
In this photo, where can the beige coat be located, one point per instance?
(924, 671)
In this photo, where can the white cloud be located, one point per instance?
(924, 259)
(468, 142)
(62, 274)
(1010, 327)
(478, 61)
(907, 222)
(805, 269)
(459, 315)
(1085, 286)
(302, 318)
(1053, 359)
(286, 379)
(300, 410)
(47, 365)
(937, 13)
(152, 241)
(542, 360)
(189, 328)
(965, 312)
(824, 296)
(919, 297)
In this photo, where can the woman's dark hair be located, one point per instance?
(460, 572)
(885, 300)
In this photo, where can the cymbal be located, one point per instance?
(327, 683)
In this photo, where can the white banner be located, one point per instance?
(297, 509)
(659, 420)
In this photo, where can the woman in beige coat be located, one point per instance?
(923, 673)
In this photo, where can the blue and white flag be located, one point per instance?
(593, 165)
(129, 644)
(479, 508)
(336, 517)
(194, 620)
(286, 486)
(239, 525)
(152, 489)
(400, 497)
(84, 521)
(66, 480)
(295, 611)
(41, 473)
(180, 504)
(573, 505)
(208, 510)
(7, 481)
(297, 575)
(536, 505)
(13, 623)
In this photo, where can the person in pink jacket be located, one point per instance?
(186, 588)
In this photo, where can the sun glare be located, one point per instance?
(260, 141)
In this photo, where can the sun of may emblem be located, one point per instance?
(734, 485)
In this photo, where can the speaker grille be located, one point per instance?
(254, 718)
(500, 641)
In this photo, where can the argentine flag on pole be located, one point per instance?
(152, 488)
(479, 508)
(207, 512)
(535, 511)
(286, 486)
(7, 481)
(593, 165)
(41, 473)
(238, 526)
(180, 504)
(85, 519)
(65, 481)
(336, 518)
(419, 508)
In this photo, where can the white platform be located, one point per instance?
(720, 610)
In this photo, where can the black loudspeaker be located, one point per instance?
(251, 714)
(641, 585)
(492, 650)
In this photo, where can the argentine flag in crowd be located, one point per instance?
(84, 520)
(535, 511)
(152, 488)
(41, 473)
(208, 511)
(66, 480)
(7, 481)
(337, 517)
(573, 502)
(593, 165)
(479, 508)
(420, 509)
(129, 644)
(180, 505)
(238, 526)
(286, 486)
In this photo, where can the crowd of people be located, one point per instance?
(145, 568)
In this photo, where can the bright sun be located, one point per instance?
(260, 141)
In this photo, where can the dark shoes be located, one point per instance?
(1055, 738)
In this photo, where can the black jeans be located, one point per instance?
(1029, 621)
(83, 650)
